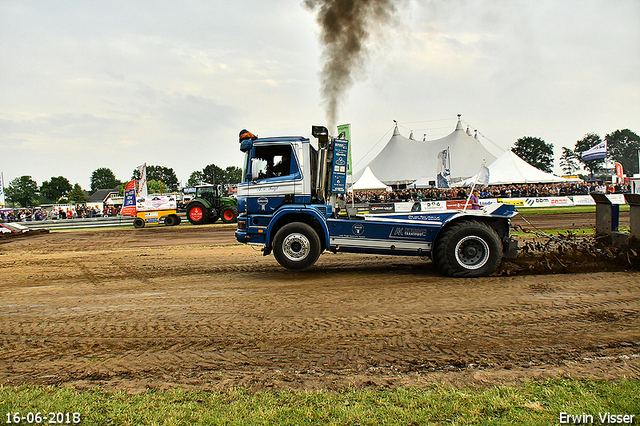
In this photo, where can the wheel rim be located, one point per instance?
(195, 213)
(472, 252)
(228, 215)
(296, 247)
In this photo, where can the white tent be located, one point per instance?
(369, 182)
(509, 168)
(404, 160)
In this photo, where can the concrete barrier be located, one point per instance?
(79, 223)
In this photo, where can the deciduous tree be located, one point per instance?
(24, 191)
(623, 147)
(103, 178)
(77, 195)
(55, 188)
(535, 151)
(587, 142)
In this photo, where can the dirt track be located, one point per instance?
(132, 309)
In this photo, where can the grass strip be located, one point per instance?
(565, 209)
(534, 403)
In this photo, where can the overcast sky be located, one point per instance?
(90, 84)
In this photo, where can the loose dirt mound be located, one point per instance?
(157, 307)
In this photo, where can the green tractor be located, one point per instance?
(208, 205)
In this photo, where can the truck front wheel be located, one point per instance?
(296, 246)
(468, 249)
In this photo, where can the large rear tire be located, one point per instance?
(296, 246)
(229, 214)
(468, 249)
(197, 213)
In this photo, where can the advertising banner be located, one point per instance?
(433, 205)
(129, 204)
(339, 170)
(156, 202)
(381, 208)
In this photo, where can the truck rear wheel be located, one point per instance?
(229, 214)
(197, 213)
(296, 246)
(468, 249)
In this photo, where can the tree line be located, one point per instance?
(23, 191)
(622, 146)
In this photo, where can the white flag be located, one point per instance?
(483, 176)
(595, 153)
(2, 200)
(142, 182)
(443, 180)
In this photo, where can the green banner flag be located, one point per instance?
(346, 128)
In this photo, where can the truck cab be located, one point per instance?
(288, 203)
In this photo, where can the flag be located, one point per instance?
(2, 200)
(129, 205)
(619, 171)
(346, 128)
(443, 179)
(142, 182)
(595, 153)
(483, 176)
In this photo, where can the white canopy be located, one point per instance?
(509, 168)
(369, 182)
(404, 159)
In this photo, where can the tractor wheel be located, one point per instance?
(468, 249)
(296, 246)
(197, 213)
(229, 214)
(138, 223)
(172, 220)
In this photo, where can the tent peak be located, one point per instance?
(459, 123)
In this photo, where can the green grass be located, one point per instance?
(535, 403)
(567, 209)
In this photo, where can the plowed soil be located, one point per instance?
(134, 309)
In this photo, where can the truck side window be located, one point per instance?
(274, 161)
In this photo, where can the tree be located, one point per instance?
(156, 187)
(24, 191)
(166, 175)
(589, 141)
(535, 151)
(103, 178)
(55, 188)
(233, 175)
(623, 147)
(213, 174)
(569, 161)
(77, 194)
(196, 178)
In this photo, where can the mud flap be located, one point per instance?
(510, 248)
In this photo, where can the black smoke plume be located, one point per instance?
(346, 27)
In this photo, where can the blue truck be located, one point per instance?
(290, 203)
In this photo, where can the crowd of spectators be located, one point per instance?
(55, 213)
(494, 191)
